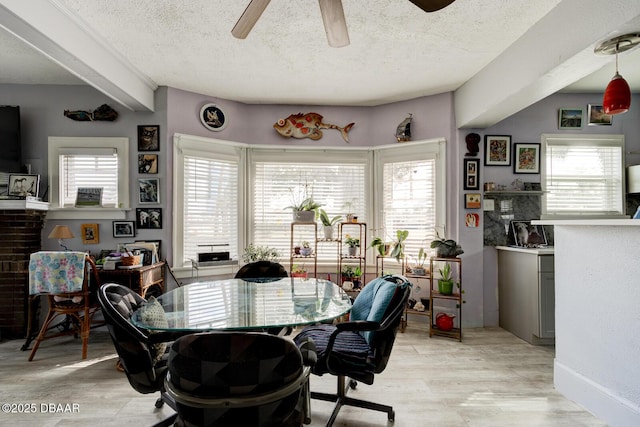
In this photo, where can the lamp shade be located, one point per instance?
(617, 96)
(61, 232)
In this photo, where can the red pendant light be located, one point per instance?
(617, 95)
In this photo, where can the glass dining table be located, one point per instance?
(246, 304)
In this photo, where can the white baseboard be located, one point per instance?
(601, 402)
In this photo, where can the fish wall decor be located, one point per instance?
(308, 126)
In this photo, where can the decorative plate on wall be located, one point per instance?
(212, 117)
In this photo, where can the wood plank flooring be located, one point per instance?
(492, 379)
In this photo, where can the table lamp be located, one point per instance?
(61, 232)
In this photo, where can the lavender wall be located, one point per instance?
(41, 111)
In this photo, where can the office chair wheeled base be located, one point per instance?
(341, 399)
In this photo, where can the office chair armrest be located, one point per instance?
(308, 349)
(353, 326)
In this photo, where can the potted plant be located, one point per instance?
(303, 206)
(305, 249)
(328, 223)
(417, 266)
(397, 250)
(253, 253)
(357, 277)
(348, 206)
(380, 246)
(445, 282)
(352, 243)
(446, 248)
(299, 271)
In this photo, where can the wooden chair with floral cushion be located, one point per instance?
(70, 282)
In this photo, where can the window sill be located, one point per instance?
(84, 213)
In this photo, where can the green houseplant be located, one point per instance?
(253, 253)
(327, 223)
(418, 263)
(446, 248)
(397, 250)
(303, 206)
(445, 282)
(352, 243)
(380, 246)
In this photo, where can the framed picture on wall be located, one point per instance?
(149, 218)
(148, 138)
(124, 229)
(90, 233)
(471, 174)
(147, 163)
(570, 118)
(597, 117)
(472, 201)
(497, 150)
(527, 158)
(528, 235)
(149, 190)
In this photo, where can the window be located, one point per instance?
(411, 198)
(89, 162)
(283, 177)
(583, 175)
(206, 198)
(234, 194)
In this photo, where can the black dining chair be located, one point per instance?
(361, 347)
(239, 379)
(261, 269)
(142, 353)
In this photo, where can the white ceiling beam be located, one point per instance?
(47, 27)
(555, 52)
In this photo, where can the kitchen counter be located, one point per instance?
(534, 251)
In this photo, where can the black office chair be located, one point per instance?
(261, 269)
(142, 354)
(360, 348)
(238, 379)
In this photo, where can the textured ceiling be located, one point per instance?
(397, 51)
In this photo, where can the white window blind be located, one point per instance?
(409, 202)
(210, 208)
(278, 183)
(584, 176)
(89, 170)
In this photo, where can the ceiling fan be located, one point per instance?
(333, 18)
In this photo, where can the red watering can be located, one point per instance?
(444, 321)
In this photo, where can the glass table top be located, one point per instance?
(238, 304)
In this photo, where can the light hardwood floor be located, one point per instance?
(491, 378)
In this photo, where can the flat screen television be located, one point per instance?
(11, 158)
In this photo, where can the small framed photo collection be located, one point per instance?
(148, 138)
(471, 174)
(149, 218)
(149, 190)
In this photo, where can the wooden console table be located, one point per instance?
(139, 279)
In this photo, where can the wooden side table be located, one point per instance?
(139, 279)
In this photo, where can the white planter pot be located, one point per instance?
(351, 251)
(304, 216)
(328, 232)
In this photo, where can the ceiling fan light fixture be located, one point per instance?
(617, 95)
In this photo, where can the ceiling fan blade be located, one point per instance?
(249, 18)
(431, 5)
(335, 24)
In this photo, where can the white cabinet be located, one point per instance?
(526, 293)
